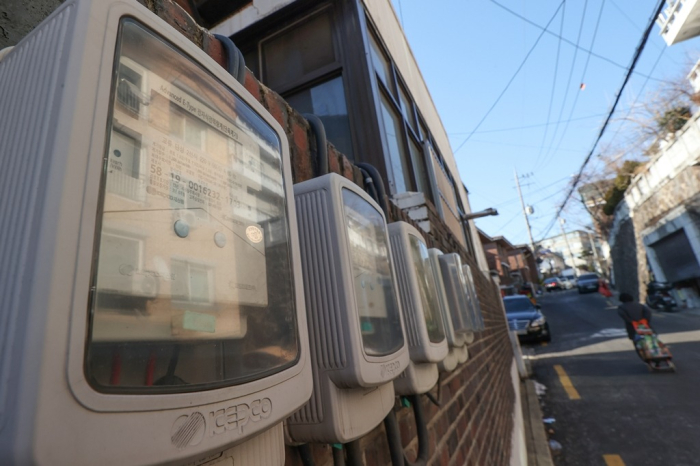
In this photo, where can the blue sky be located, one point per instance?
(469, 50)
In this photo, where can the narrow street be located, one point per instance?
(615, 412)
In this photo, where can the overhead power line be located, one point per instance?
(554, 85)
(630, 70)
(549, 155)
(510, 81)
(538, 125)
(569, 80)
(545, 29)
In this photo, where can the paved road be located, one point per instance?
(644, 418)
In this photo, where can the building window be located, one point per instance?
(191, 282)
(302, 63)
(299, 51)
(327, 101)
(399, 123)
(393, 133)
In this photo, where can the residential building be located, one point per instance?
(679, 21)
(348, 62)
(513, 265)
(656, 228)
(593, 198)
(579, 248)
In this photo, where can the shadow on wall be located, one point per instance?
(624, 259)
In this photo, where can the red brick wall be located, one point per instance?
(474, 422)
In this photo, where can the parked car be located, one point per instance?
(526, 319)
(552, 284)
(566, 283)
(588, 283)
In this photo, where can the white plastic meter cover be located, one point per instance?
(427, 290)
(378, 310)
(192, 235)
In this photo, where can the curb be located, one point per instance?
(538, 453)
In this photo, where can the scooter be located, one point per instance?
(658, 297)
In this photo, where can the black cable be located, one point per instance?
(354, 453)
(369, 185)
(571, 75)
(321, 142)
(635, 59)
(338, 456)
(548, 157)
(554, 84)
(378, 184)
(510, 81)
(393, 438)
(233, 58)
(304, 450)
(544, 29)
(538, 125)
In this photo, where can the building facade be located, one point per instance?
(579, 249)
(349, 63)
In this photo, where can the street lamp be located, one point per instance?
(484, 213)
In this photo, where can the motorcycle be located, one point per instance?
(658, 297)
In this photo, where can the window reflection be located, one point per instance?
(377, 306)
(193, 233)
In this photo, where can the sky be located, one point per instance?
(469, 50)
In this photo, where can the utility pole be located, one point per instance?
(568, 246)
(522, 203)
(591, 239)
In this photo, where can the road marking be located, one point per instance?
(566, 383)
(613, 460)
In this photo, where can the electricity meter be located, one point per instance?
(475, 306)
(153, 307)
(458, 303)
(457, 342)
(355, 325)
(422, 316)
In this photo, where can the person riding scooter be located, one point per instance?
(631, 312)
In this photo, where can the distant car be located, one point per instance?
(552, 284)
(588, 283)
(526, 319)
(566, 283)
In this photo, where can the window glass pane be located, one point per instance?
(327, 101)
(427, 289)
(381, 65)
(419, 168)
(397, 152)
(373, 278)
(251, 61)
(425, 135)
(298, 51)
(407, 109)
(181, 299)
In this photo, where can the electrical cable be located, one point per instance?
(378, 185)
(510, 81)
(544, 29)
(319, 131)
(538, 125)
(233, 58)
(354, 453)
(304, 450)
(635, 59)
(554, 83)
(631, 107)
(550, 153)
(571, 75)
